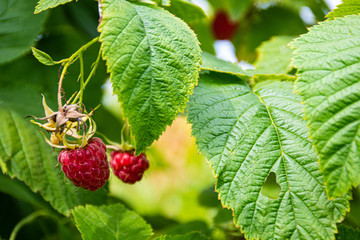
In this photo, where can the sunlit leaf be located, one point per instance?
(247, 134)
(328, 80)
(153, 59)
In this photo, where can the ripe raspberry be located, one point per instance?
(86, 167)
(223, 27)
(128, 167)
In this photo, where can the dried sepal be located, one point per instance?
(65, 123)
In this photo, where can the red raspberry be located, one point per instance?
(86, 167)
(223, 27)
(128, 167)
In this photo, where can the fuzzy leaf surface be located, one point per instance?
(46, 4)
(347, 7)
(328, 59)
(18, 28)
(110, 222)
(153, 59)
(246, 134)
(25, 155)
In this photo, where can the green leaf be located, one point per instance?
(19, 190)
(153, 59)
(25, 155)
(247, 134)
(274, 56)
(210, 62)
(347, 233)
(18, 28)
(264, 24)
(237, 9)
(42, 57)
(189, 236)
(110, 222)
(187, 11)
(205, 35)
(46, 4)
(328, 80)
(347, 7)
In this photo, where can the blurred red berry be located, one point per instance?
(86, 167)
(223, 27)
(128, 167)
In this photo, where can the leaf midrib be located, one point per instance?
(284, 164)
(282, 156)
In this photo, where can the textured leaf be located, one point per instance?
(328, 80)
(153, 59)
(347, 233)
(189, 236)
(18, 28)
(46, 4)
(347, 7)
(110, 222)
(246, 134)
(42, 57)
(25, 155)
(274, 56)
(186, 10)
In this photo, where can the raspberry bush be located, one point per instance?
(266, 148)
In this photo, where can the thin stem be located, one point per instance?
(81, 77)
(68, 62)
(27, 220)
(92, 72)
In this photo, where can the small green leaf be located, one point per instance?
(18, 28)
(188, 236)
(248, 133)
(43, 5)
(274, 56)
(42, 57)
(186, 10)
(237, 9)
(272, 21)
(210, 62)
(110, 222)
(347, 7)
(329, 80)
(153, 59)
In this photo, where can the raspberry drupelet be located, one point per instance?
(86, 167)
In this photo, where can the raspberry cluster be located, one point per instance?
(128, 167)
(86, 167)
